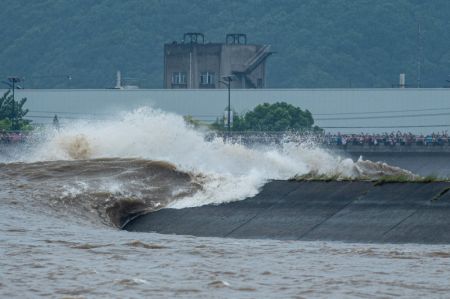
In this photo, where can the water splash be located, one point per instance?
(226, 171)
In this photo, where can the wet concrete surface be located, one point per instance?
(318, 210)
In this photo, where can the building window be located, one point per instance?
(207, 78)
(179, 78)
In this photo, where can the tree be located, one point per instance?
(12, 113)
(319, 43)
(195, 123)
(277, 117)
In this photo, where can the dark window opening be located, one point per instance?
(179, 80)
(207, 80)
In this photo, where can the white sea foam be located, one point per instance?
(228, 171)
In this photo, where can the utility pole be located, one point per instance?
(228, 85)
(12, 83)
(419, 55)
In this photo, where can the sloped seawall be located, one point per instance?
(350, 211)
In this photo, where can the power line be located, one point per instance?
(212, 117)
(62, 112)
(315, 114)
(83, 113)
(385, 116)
(385, 111)
(324, 127)
(65, 117)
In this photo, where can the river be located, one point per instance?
(63, 199)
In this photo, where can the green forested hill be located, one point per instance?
(319, 43)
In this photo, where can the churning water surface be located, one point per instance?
(64, 197)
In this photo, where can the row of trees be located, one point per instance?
(12, 113)
(319, 43)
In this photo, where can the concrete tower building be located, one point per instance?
(196, 64)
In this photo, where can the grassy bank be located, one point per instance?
(386, 179)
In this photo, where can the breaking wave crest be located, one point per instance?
(149, 159)
(109, 191)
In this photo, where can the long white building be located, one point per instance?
(337, 110)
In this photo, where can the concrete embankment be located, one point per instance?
(317, 210)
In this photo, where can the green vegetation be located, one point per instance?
(324, 177)
(387, 179)
(12, 113)
(278, 117)
(329, 43)
(401, 178)
(195, 123)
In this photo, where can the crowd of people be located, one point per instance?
(12, 137)
(362, 139)
(342, 140)
(386, 139)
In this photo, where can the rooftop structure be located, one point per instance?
(195, 64)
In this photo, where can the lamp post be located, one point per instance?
(228, 85)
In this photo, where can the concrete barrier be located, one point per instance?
(317, 210)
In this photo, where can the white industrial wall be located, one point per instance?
(344, 110)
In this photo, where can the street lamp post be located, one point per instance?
(228, 85)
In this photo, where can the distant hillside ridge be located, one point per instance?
(326, 43)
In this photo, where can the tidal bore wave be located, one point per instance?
(112, 171)
(111, 191)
